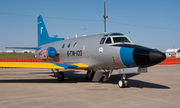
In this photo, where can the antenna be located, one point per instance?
(83, 28)
(55, 36)
(67, 37)
(105, 18)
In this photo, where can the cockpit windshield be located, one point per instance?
(120, 39)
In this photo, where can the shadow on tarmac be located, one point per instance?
(71, 76)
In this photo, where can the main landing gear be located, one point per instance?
(59, 74)
(123, 82)
(60, 77)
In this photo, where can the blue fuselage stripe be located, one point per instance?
(126, 55)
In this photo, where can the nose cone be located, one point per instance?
(156, 56)
(145, 57)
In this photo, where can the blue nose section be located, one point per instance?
(126, 55)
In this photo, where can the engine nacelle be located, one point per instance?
(45, 53)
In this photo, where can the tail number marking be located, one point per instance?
(74, 53)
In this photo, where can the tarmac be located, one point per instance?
(37, 88)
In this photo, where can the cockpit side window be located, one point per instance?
(120, 39)
(69, 44)
(108, 41)
(75, 44)
(63, 45)
(102, 41)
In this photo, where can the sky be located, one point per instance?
(152, 23)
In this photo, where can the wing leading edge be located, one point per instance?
(43, 65)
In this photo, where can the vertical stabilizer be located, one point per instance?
(43, 36)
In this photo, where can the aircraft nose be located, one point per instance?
(145, 57)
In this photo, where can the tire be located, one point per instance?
(121, 84)
(61, 76)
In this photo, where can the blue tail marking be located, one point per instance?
(43, 36)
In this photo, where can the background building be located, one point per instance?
(173, 53)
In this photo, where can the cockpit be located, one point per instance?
(114, 38)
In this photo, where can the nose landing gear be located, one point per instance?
(123, 82)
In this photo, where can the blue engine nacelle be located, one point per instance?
(45, 53)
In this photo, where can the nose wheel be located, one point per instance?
(123, 82)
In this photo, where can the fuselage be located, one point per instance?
(105, 51)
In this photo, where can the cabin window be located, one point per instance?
(63, 46)
(108, 41)
(69, 44)
(102, 41)
(75, 44)
(120, 39)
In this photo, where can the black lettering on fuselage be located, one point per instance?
(74, 53)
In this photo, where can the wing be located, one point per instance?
(43, 65)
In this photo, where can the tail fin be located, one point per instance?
(43, 36)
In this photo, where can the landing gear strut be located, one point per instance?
(123, 82)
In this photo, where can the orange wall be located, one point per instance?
(170, 61)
